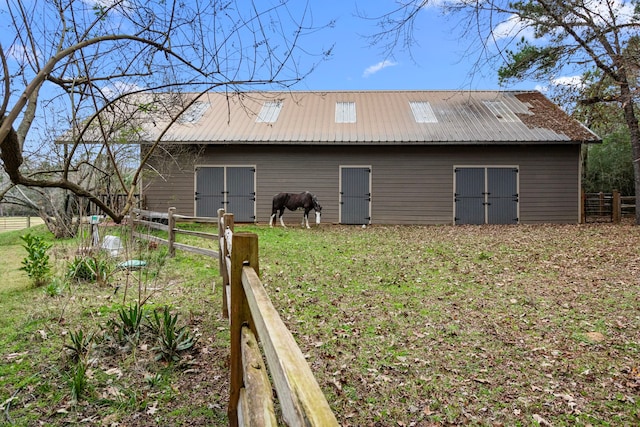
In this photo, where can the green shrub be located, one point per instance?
(36, 264)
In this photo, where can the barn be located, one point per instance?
(374, 157)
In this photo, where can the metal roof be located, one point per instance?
(379, 117)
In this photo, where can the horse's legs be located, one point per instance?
(305, 218)
(281, 220)
(273, 215)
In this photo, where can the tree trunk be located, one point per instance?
(634, 133)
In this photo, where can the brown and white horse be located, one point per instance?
(292, 201)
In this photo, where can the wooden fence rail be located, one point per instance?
(253, 317)
(608, 207)
(10, 223)
(167, 222)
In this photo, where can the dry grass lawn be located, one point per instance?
(403, 326)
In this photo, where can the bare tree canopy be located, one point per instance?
(590, 47)
(71, 64)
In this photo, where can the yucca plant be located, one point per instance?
(131, 319)
(89, 269)
(80, 345)
(127, 325)
(172, 340)
(78, 380)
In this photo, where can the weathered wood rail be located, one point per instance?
(253, 318)
(10, 223)
(167, 222)
(607, 207)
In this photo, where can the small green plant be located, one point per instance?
(36, 263)
(80, 345)
(126, 327)
(89, 269)
(131, 319)
(172, 340)
(153, 381)
(78, 380)
(55, 287)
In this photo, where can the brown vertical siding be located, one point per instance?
(410, 184)
(175, 188)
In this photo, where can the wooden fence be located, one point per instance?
(607, 207)
(253, 317)
(11, 223)
(167, 222)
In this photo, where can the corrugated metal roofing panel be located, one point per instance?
(381, 117)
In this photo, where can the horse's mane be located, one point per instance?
(314, 199)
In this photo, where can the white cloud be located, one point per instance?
(513, 27)
(570, 81)
(120, 88)
(575, 81)
(377, 67)
(21, 55)
(603, 12)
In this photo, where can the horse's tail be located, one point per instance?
(279, 200)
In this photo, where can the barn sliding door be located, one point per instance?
(355, 195)
(486, 195)
(502, 195)
(241, 195)
(209, 191)
(228, 187)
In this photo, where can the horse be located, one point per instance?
(292, 201)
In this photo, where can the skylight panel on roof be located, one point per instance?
(194, 112)
(422, 112)
(345, 112)
(501, 111)
(269, 112)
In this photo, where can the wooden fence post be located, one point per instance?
(172, 233)
(601, 204)
(616, 207)
(221, 241)
(227, 222)
(244, 252)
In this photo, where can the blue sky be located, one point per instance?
(439, 60)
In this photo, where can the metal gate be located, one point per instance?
(355, 195)
(230, 187)
(486, 195)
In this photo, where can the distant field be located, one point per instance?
(11, 223)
